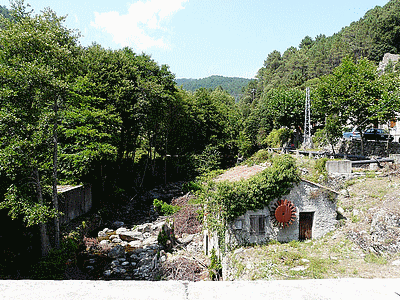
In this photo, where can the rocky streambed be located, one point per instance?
(127, 249)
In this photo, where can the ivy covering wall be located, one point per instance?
(224, 201)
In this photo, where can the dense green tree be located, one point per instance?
(354, 94)
(36, 59)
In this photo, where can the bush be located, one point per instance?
(165, 209)
(259, 157)
(191, 186)
(215, 267)
(278, 137)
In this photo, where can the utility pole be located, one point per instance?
(307, 143)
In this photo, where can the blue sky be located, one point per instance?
(200, 38)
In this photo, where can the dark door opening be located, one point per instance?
(305, 225)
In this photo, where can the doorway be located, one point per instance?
(305, 225)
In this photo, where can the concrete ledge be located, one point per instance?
(338, 166)
(395, 157)
(120, 290)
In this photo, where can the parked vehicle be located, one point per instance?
(352, 135)
(377, 134)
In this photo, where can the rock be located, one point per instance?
(150, 241)
(92, 261)
(105, 242)
(144, 228)
(116, 252)
(186, 240)
(396, 262)
(340, 210)
(113, 236)
(130, 236)
(118, 224)
(135, 244)
(101, 234)
(121, 230)
(299, 268)
(116, 240)
(107, 273)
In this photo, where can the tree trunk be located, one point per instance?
(55, 158)
(44, 238)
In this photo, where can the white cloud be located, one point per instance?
(141, 26)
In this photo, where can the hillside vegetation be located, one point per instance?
(365, 243)
(233, 85)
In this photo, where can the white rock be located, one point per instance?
(340, 210)
(396, 262)
(144, 228)
(101, 234)
(113, 236)
(104, 242)
(299, 268)
(120, 230)
(135, 244)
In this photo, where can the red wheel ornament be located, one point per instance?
(283, 213)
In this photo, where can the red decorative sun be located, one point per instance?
(284, 213)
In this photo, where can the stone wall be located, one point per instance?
(306, 197)
(371, 148)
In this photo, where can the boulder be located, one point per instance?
(144, 228)
(130, 236)
(120, 230)
(116, 252)
(118, 224)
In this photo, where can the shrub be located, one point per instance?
(215, 267)
(165, 209)
(278, 137)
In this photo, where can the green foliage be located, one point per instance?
(259, 157)
(375, 259)
(233, 85)
(191, 186)
(163, 238)
(215, 267)
(165, 209)
(320, 167)
(208, 160)
(278, 137)
(54, 265)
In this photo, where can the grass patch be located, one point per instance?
(375, 259)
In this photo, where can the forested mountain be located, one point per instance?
(5, 12)
(375, 34)
(233, 85)
(341, 68)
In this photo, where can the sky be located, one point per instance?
(200, 38)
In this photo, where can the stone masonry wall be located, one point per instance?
(307, 197)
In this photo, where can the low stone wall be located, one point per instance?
(371, 148)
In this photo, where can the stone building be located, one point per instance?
(308, 212)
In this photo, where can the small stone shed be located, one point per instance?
(313, 213)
